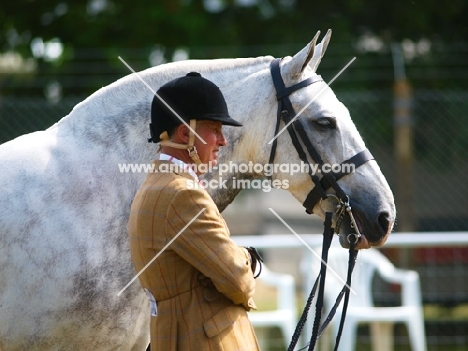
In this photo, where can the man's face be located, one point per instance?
(211, 132)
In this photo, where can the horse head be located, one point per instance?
(327, 124)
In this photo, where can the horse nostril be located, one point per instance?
(384, 221)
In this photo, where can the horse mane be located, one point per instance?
(128, 90)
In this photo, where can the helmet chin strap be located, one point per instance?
(190, 147)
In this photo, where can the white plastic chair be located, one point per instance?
(284, 316)
(361, 307)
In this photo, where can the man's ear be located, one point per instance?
(181, 134)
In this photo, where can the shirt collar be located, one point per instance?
(186, 167)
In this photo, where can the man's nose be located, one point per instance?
(222, 140)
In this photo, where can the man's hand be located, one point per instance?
(255, 260)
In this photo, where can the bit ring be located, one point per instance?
(355, 236)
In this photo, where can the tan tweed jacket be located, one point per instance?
(192, 315)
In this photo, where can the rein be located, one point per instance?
(318, 329)
(318, 193)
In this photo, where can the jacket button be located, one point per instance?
(211, 294)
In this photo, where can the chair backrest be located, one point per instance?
(285, 285)
(368, 262)
(284, 315)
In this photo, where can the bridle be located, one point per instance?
(295, 129)
(328, 180)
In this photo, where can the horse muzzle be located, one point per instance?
(374, 233)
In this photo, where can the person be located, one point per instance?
(201, 284)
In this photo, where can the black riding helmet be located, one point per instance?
(191, 97)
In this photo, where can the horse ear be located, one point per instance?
(319, 51)
(310, 51)
(299, 62)
(310, 55)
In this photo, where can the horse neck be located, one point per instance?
(114, 120)
(117, 116)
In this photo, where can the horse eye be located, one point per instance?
(325, 123)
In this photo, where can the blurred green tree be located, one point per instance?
(52, 31)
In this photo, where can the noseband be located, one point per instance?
(319, 192)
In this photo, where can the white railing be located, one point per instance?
(403, 240)
(396, 240)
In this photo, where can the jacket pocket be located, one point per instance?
(222, 320)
